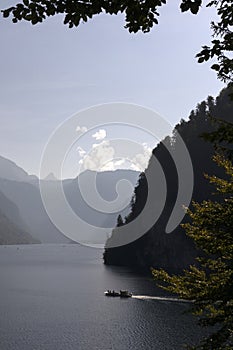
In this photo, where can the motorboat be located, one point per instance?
(111, 293)
(122, 293)
(125, 294)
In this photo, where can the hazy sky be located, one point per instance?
(49, 72)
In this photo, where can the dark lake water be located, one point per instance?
(52, 298)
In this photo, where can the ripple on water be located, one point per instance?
(52, 298)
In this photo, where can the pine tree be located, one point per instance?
(210, 284)
(120, 221)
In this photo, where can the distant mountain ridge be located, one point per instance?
(27, 198)
(9, 209)
(12, 228)
(50, 177)
(11, 171)
(23, 190)
(106, 183)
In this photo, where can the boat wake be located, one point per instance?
(148, 297)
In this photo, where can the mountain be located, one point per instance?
(24, 192)
(12, 228)
(11, 171)
(50, 177)
(93, 198)
(105, 184)
(155, 248)
(27, 198)
(11, 211)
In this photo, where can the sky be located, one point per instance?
(50, 72)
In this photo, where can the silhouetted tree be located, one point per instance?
(211, 284)
(175, 251)
(120, 221)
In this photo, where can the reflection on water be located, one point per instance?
(52, 298)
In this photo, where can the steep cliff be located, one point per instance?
(173, 251)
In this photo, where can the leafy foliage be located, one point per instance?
(140, 15)
(211, 284)
(222, 44)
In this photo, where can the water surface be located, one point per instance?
(52, 298)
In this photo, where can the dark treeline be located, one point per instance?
(174, 251)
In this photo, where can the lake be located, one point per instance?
(52, 298)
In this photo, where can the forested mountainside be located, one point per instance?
(174, 251)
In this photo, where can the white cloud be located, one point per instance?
(102, 157)
(140, 160)
(99, 156)
(110, 166)
(81, 129)
(81, 151)
(100, 135)
(120, 162)
(135, 167)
